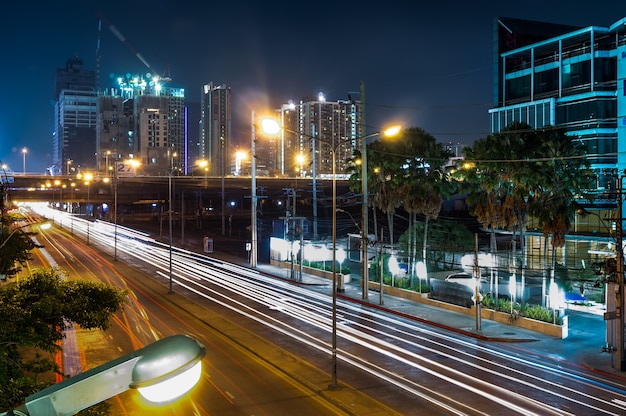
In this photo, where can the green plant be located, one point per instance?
(326, 266)
(402, 282)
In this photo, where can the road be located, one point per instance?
(408, 366)
(235, 380)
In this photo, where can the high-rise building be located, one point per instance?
(75, 117)
(216, 128)
(144, 120)
(115, 135)
(314, 128)
(564, 76)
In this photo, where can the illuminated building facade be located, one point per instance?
(564, 76)
(318, 124)
(216, 128)
(75, 117)
(144, 120)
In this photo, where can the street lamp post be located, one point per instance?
(134, 164)
(271, 126)
(24, 151)
(162, 371)
(169, 186)
(106, 164)
(392, 131)
(169, 209)
(253, 219)
(621, 363)
(88, 178)
(72, 186)
(115, 215)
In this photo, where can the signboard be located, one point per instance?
(208, 245)
(125, 169)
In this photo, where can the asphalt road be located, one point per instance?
(234, 382)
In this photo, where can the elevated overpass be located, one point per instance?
(198, 191)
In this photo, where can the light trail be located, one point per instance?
(393, 349)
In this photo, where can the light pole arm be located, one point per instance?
(150, 365)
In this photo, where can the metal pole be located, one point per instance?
(115, 217)
(314, 170)
(333, 384)
(476, 285)
(223, 192)
(88, 216)
(253, 251)
(364, 208)
(621, 365)
(300, 252)
(72, 212)
(381, 267)
(170, 221)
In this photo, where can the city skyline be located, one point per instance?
(424, 66)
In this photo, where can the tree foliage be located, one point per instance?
(523, 171)
(36, 310)
(15, 245)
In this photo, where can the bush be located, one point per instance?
(541, 313)
(326, 266)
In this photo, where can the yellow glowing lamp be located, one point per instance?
(270, 126)
(161, 372)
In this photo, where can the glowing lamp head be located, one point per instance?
(270, 126)
(168, 368)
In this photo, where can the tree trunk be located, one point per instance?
(424, 249)
(544, 273)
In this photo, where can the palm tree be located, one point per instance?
(412, 172)
(498, 186)
(564, 174)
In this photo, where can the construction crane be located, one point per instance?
(164, 77)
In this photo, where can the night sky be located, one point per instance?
(424, 64)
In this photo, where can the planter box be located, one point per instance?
(558, 331)
(310, 270)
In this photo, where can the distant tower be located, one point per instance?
(215, 128)
(146, 120)
(75, 98)
(333, 123)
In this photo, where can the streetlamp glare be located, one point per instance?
(392, 131)
(175, 357)
(270, 126)
(174, 387)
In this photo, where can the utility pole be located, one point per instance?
(621, 364)
(364, 191)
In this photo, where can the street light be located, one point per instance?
(271, 127)
(134, 164)
(88, 178)
(390, 132)
(24, 151)
(162, 371)
(71, 207)
(253, 236)
(171, 172)
(87, 181)
(106, 164)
